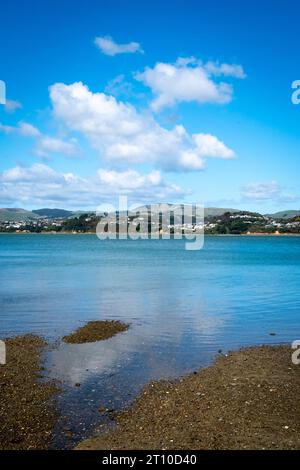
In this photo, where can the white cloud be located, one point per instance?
(188, 80)
(36, 173)
(266, 191)
(121, 133)
(109, 47)
(47, 145)
(40, 185)
(209, 146)
(11, 106)
(23, 128)
(130, 179)
(228, 70)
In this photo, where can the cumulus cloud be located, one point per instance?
(209, 146)
(129, 179)
(40, 185)
(13, 129)
(266, 191)
(188, 80)
(47, 145)
(22, 128)
(109, 47)
(37, 172)
(121, 133)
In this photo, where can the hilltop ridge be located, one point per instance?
(19, 214)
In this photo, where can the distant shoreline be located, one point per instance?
(206, 235)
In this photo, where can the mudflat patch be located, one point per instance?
(96, 331)
(27, 413)
(246, 400)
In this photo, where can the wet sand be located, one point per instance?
(246, 400)
(27, 413)
(96, 331)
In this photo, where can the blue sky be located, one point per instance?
(160, 100)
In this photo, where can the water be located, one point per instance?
(183, 306)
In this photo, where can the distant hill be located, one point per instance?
(53, 213)
(16, 215)
(215, 211)
(284, 214)
(208, 211)
(79, 213)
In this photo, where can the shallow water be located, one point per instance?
(183, 306)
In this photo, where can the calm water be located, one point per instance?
(183, 307)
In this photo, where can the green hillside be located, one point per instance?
(16, 215)
(53, 213)
(208, 211)
(284, 214)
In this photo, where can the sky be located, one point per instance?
(162, 101)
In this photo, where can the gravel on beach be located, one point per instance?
(27, 413)
(247, 399)
(96, 331)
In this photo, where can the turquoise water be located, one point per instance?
(183, 307)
